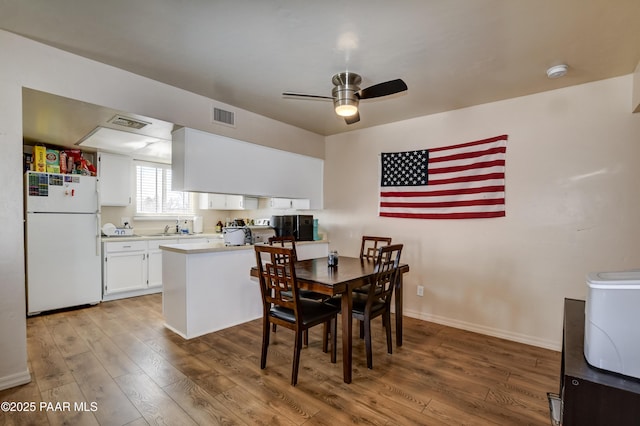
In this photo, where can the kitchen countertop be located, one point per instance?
(137, 237)
(187, 248)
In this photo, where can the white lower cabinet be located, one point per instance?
(132, 268)
(154, 262)
(124, 267)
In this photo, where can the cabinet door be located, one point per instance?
(280, 203)
(213, 201)
(234, 202)
(125, 271)
(300, 204)
(249, 203)
(227, 202)
(154, 261)
(114, 179)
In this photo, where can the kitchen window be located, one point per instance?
(154, 196)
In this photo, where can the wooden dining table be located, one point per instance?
(351, 273)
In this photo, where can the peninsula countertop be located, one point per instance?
(218, 246)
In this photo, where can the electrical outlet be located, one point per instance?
(420, 290)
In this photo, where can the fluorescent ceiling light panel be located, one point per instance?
(116, 140)
(160, 150)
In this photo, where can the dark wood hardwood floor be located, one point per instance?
(116, 364)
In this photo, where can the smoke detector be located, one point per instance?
(557, 71)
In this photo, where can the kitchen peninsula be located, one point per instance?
(206, 287)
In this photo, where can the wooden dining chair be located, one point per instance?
(290, 241)
(282, 304)
(369, 252)
(377, 301)
(369, 246)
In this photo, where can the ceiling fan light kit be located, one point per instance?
(345, 99)
(345, 110)
(346, 94)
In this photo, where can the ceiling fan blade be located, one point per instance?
(353, 119)
(383, 89)
(305, 96)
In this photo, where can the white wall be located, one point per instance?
(572, 201)
(29, 64)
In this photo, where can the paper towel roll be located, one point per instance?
(198, 226)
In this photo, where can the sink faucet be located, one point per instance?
(166, 229)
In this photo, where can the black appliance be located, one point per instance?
(284, 225)
(300, 226)
(304, 227)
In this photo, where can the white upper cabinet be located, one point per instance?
(280, 203)
(227, 202)
(204, 162)
(289, 203)
(248, 203)
(300, 204)
(114, 177)
(213, 201)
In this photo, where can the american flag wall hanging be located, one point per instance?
(464, 181)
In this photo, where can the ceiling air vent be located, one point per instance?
(131, 123)
(221, 116)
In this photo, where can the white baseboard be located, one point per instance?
(489, 331)
(13, 380)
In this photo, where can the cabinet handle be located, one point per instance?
(575, 382)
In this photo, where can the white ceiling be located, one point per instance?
(451, 53)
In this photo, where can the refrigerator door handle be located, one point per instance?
(98, 193)
(98, 234)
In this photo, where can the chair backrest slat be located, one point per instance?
(370, 245)
(284, 241)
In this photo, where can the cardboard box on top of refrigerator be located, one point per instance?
(53, 161)
(40, 158)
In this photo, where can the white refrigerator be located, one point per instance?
(62, 241)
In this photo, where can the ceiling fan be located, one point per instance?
(347, 94)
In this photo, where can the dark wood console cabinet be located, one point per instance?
(592, 396)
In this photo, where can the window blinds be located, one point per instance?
(154, 194)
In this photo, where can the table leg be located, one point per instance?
(347, 305)
(398, 301)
